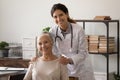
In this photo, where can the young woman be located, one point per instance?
(70, 42)
(47, 66)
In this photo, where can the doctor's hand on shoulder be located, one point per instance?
(64, 60)
(33, 59)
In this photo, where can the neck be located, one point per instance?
(64, 27)
(48, 57)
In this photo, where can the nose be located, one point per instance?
(43, 45)
(58, 18)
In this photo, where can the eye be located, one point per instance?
(54, 17)
(40, 43)
(61, 15)
(46, 41)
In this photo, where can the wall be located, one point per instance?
(26, 18)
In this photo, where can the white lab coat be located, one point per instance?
(82, 67)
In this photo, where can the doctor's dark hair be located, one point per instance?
(63, 8)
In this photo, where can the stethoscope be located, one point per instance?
(61, 38)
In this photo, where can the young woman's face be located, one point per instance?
(60, 18)
(45, 44)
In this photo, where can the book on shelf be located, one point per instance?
(104, 49)
(101, 50)
(99, 43)
(105, 38)
(93, 47)
(94, 51)
(93, 37)
(105, 42)
(102, 18)
(93, 41)
(105, 45)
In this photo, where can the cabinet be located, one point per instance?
(29, 47)
(107, 25)
(8, 62)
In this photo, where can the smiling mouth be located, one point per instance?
(61, 23)
(45, 49)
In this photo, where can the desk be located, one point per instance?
(13, 62)
(12, 75)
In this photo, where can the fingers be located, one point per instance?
(63, 60)
(33, 59)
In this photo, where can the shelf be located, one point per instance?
(83, 20)
(104, 54)
(106, 22)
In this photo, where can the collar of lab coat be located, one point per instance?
(68, 29)
(61, 32)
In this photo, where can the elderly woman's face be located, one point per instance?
(45, 44)
(60, 18)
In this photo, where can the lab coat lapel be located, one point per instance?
(60, 34)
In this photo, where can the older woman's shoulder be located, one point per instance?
(33, 59)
